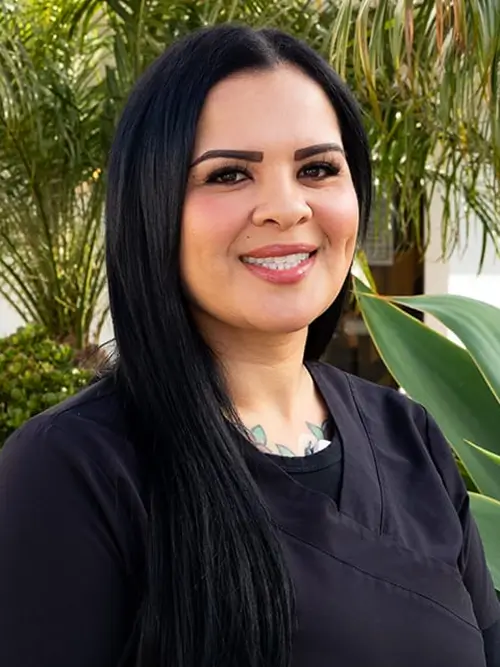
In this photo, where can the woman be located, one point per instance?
(221, 498)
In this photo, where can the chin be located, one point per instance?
(281, 323)
(288, 315)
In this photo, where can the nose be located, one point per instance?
(282, 205)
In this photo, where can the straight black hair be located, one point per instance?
(216, 591)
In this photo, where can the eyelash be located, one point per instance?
(330, 169)
(226, 171)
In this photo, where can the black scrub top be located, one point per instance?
(388, 570)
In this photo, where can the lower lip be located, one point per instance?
(283, 276)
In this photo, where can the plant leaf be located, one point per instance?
(441, 376)
(493, 457)
(486, 512)
(476, 324)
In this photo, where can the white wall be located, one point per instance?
(463, 271)
(9, 319)
(460, 273)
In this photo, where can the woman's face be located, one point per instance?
(270, 217)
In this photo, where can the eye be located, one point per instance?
(319, 170)
(228, 176)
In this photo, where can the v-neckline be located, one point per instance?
(360, 496)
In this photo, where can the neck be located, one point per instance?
(264, 373)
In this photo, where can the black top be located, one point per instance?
(391, 574)
(323, 472)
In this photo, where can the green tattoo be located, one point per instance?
(319, 432)
(259, 435)
(283, 450)
(309, 440)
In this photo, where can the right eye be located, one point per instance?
(228, 176)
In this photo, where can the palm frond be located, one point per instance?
(425, 72)
(51, 147)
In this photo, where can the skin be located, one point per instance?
(258, 329)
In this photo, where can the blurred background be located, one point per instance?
(426, 74)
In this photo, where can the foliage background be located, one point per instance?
(35, 374)
(426, 74)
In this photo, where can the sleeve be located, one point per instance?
(491, 638)
(472, 562)
(62, 593)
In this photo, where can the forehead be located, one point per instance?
(277, 107)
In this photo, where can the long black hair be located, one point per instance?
(216, 591)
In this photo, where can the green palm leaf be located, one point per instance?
(51, 155)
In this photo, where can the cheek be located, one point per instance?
(209, 227)
(340, 217)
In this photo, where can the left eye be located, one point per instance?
(319, 170)
(228, 176)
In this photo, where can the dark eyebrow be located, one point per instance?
(258, 156)
(304, 153)
(248, 156)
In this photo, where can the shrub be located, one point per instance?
(35, 374)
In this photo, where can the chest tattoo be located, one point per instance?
(314, 438)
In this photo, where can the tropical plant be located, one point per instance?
(458, 383)
(54, 134)
(426, 73)
(35, 374)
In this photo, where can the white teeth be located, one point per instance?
(278, 263)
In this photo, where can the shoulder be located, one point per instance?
(374, 401)
(84, 436)
(396, 425)
(94, 411)
(73, 472)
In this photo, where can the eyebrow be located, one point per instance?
(309, 151)
(258, 156)
(249, 156)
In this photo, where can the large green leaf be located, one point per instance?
(443, 377)
(475, 323)
(486, 512)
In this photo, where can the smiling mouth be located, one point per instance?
(280, 263)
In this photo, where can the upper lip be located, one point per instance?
(281, 250)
